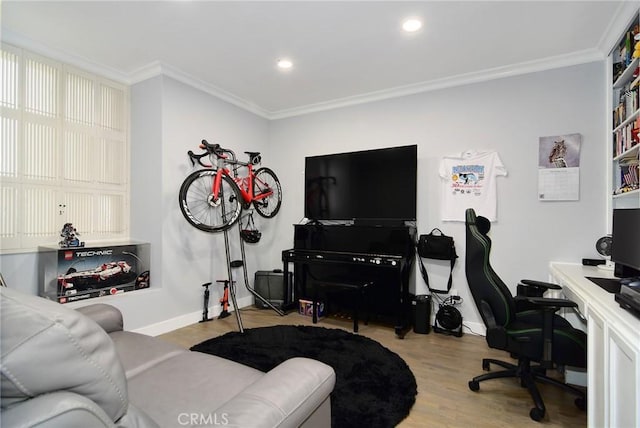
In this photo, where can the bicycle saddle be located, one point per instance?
(254, 157)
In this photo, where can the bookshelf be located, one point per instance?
(624, 140)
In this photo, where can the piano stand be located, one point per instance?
(358, 289)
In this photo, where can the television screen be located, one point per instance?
(367, 185)
(625, 248)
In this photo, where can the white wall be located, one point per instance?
(506, 115)
(168, 119)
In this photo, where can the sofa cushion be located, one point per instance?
(138, 352)
(205, 383)
(47, 347)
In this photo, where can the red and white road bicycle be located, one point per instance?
(212, 198)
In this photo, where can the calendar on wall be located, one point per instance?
(559, 168)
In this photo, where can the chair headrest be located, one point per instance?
(47, 347)
(482, 223)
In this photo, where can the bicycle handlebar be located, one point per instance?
(212, 149)
(196, 158)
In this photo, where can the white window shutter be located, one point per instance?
(64, 152)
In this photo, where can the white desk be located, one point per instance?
(613, 347)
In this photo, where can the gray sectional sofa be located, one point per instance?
(77, 368)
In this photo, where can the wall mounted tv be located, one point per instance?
(372, 186)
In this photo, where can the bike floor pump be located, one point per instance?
(205, 310)
(228, 285)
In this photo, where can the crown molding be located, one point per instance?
(20, 41)
(621, 19)
(157, 68)
(560, 61)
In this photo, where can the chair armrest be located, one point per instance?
(543, 303)
(285, 396)
(541, 284)
(106, 316)
(530, 287)
(56, 409)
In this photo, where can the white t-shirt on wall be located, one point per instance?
(469, 181)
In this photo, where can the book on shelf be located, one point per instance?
(628, 103)
(626, 46)
(626, 137)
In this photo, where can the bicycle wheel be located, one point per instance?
(265, 181)
(199, 206)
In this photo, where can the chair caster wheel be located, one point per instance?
(536, 414)
(581, 403)
(474, 385)
(486, 366)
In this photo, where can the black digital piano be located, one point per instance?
(382, 255)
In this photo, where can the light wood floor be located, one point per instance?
(442, 365)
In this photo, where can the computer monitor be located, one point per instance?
(625, 249)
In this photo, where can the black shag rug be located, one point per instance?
(374, 386)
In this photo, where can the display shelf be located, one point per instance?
(624, 93)
(630, 118)
(626, 75)
(630, 153)
(627, 194)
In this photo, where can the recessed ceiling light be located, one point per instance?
(411, 25)
(285, 64)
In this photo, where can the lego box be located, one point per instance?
(79, 273)
(306, 308)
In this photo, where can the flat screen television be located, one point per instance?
(625, 248)
(373, 186)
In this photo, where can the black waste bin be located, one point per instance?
(422, 314)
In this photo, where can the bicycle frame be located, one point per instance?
(243, 182)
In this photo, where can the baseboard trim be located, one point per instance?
(175, 323)
(474, 328)
(162, 327)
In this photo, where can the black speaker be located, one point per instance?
(422, 314)
(448, 321)
(270, 285)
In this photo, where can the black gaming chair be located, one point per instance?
(526, 326)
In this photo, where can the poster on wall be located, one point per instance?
(559, 168)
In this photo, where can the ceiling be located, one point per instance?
(343, 52)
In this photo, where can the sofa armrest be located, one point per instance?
(106, 316)
(286, 396)
(56, 410)
(62, 409)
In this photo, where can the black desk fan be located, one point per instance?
(603, 247)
